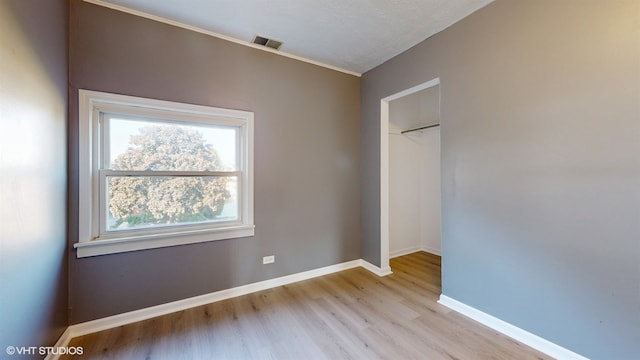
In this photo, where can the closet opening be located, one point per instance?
(410, 194)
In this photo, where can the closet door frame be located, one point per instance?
(385, 268)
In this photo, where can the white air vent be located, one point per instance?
(261, 40)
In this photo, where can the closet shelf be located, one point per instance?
(419, 128)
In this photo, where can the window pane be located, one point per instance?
(154, 201)
(165, 146)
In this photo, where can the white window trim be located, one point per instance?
(88, 245)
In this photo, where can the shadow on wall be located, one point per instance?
(33, 172)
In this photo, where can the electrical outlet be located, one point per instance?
(269, 259)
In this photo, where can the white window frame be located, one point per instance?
(91, 242)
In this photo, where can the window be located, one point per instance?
(156, 173)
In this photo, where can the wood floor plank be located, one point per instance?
(353, 314)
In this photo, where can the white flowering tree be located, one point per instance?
(167, 199)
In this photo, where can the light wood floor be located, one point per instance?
(353, 314)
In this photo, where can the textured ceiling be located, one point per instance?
(354, 35)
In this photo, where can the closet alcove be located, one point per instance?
(414, 173)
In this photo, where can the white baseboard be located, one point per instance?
(163, 309)
(512, 331)
(130, 317)
(63, 341)
(411, 250)
(525, 337)
(431, 250)
(402, 252)
(376, 269)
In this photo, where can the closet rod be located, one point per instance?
(420, 128)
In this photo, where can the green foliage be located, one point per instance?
(139, 201)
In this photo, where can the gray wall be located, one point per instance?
(33, 172)
(307, 158)
(541, 173)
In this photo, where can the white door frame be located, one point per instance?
(384, 168)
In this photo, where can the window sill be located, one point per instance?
(114, 246)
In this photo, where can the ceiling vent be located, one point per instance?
(274, 44)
